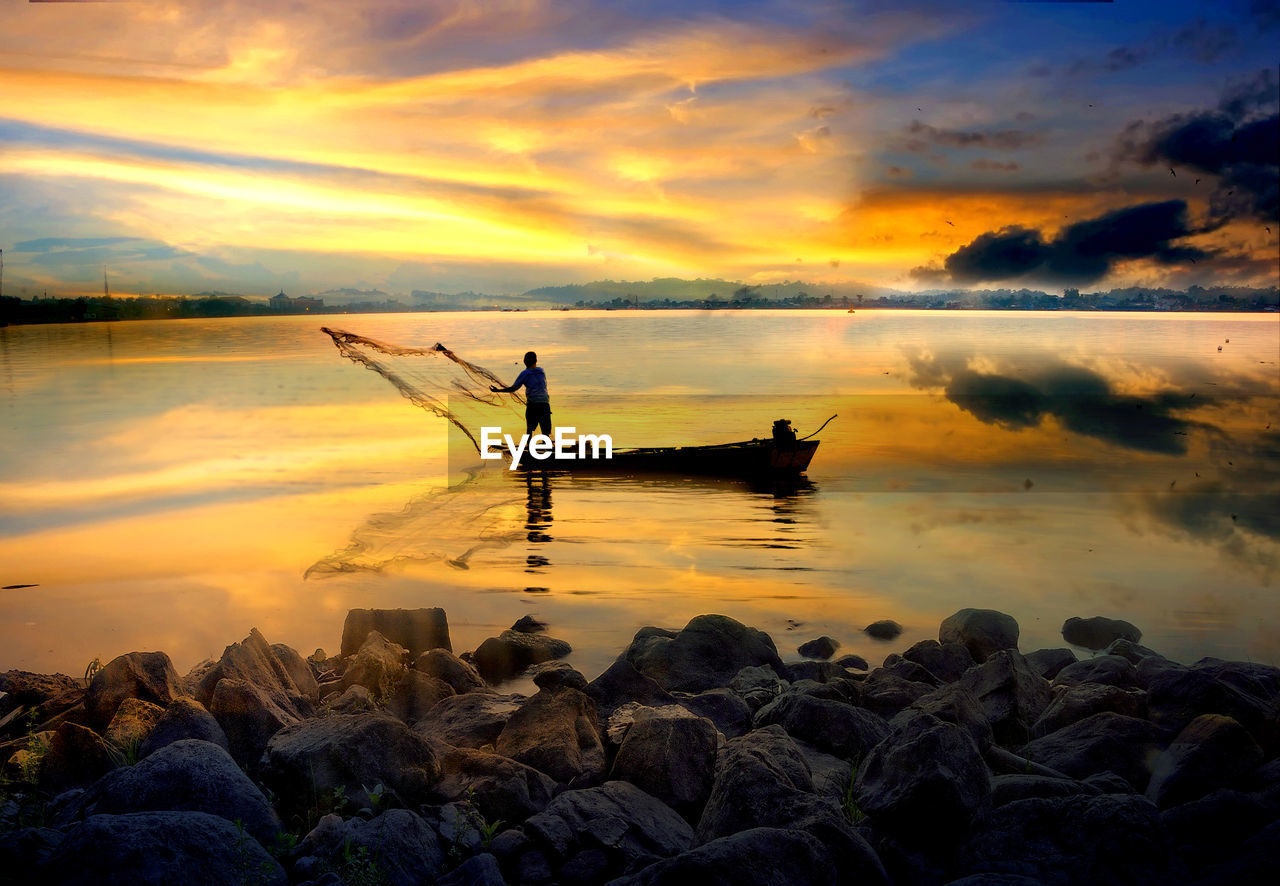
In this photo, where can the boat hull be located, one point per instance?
(751, 458)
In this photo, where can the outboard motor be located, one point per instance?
(784, 437)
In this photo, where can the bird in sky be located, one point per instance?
(1268, 227)
(948, 221)
(1197, 181)
(1172, 173)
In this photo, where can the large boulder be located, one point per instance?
(885, 693)
(1105, 742)
(183, 718)
(472, 720)
(669, 753)
(556, 732)
(707, 653)
(1012, 694)
(822, 647)
(396, 848)
(249, 715)
(132, 723)
(377, 666)
(1213, 751)
(299, 671)
(444, 665)
(926, 782)
(1011, 787)
(1074, 703)
(254, 661)
(1049, 662)
(1245, 692)
(622, 683)
(946, 661)
(25, 689)
(160, 849)
(757, 685)
(618, 820)
(188, 775)
(76, 757)
(763, 857)
(832, 726)
(1109, 670)
(501, 658)
(722, 707)
(415, 695)
(1098, 632)
(982, 631)
(956, 704)
(1210, 830)
(1064, 841)
(499, 787)
(149, 676)
(417, 630)
(354, 752)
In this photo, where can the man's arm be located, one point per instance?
(515, 385)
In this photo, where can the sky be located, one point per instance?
(185, 146)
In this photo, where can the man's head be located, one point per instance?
(530, 359)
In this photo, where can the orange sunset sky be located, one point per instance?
(497, 146)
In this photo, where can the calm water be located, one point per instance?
(170, 485)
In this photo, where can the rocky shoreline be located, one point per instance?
(697, 756)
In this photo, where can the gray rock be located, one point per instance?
(1209, 831)
(377, 666)
(1012, 694)
(417, 630)
(1109, 670)
(1256, 861)
(398, 848)
(132, 723)
(24, 850)
(854, 662)
(299, 671)
(353, 752)
(837, 728)
(823, 647)
(255, 662)
(25, 689)
(186, 776)
(527, 624)
(926, 782)
(501, 658)
(757, 685)
(1212, 752)
(159, 849)
(444, 665)
(956, 704)
(723, 707)
(1098, 632)
(351, 701)
(183, 718)
(885, 693)
(885, 629)
(1105, 742)
(1065, 841)
(146, 675)
(630, 827)
(982, 631)
(910, 671)
(817, 671)
(469, 721)
(557, 674)
(670, 753)
(1048, 662)
(622, 683)
(556, 732)
(478, 870)
(707, 653)
(1132, 651)
(1075, 703)
(1009, 788)
(249, 716)
(1247, 693)
(76, 757)
(500, 788)
(415, 695)
(764, 857)
(946, 661)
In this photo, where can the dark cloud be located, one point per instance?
(1265, 14)
(1081, 253)
(985, 165)
(46, 244)
(921, 136)
(1079, 399)
(1238, 142)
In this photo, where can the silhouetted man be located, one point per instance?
(537, 406)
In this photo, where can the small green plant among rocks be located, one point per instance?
(359, 866)
(848, 804)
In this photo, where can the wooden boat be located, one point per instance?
(780, 456)
(747, 458)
